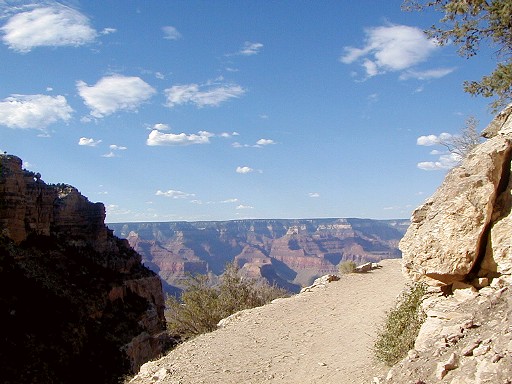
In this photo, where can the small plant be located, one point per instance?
(399, 332)
(347, 266)
(203, 305)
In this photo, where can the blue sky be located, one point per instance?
(219, 110)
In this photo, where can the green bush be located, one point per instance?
(347, 267)
(202, 305)
(398, 334)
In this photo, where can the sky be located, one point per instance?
(192, 110)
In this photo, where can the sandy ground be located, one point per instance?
(325, 336)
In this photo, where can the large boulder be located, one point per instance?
(463, 230)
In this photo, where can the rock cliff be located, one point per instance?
(463, 231)
(76, 304)
(290, 253)
(460, 243)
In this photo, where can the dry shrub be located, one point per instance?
(347, 266)
(398, 334)
(202, 305)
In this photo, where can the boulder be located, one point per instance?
(462, 231)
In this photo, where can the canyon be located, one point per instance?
(290, 253)
(458, 245)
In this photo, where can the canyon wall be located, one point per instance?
(74, 299)
(289, 253)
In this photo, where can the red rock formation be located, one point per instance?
(294, 251)
(73, 297)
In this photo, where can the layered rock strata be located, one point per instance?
(74, 299)
(290, 253)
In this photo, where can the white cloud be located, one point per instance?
(156, 138)
(390, 48)
(115, 147)
(446, 161)
(244, 170)
(113, 93)
(202, 95)
(259, 144)
(171, 33)
(173, 194)
(250, 49)
(262, 142)
(229, 201)
(108, 31)
(89, 142)
(241, 206)
(51, 26)
(430, 140)
(228, 134)
(426, 75)
(313, 194)
(109, 155)
(33, 111)
(161, 127)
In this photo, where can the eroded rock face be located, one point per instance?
(463, 230)
(466, 338)
(289, 253)
(74, 299)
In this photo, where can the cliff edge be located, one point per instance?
(76, 304)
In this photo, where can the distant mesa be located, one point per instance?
(289, 253)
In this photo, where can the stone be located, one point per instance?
(451, 229)
(363, 268)
(444, 367)
(480, 282)
(321, 282)
(468, 350)
(481, 350)
(465, 294)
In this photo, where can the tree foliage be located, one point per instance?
(202, 305)
(468, 24)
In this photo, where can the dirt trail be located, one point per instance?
(324, 336)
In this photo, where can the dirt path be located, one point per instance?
(324, 336)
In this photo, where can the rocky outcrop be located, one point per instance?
(290, 253)
(463, 231)
(74, 299)
(460, 241)
(466, 339)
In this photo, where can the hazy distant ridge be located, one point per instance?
(289, 252)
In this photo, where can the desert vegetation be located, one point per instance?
(204, 302)
(403, 322)
(347, 266)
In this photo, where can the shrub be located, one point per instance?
(399, 332)
(202, 306)
(347, 267)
